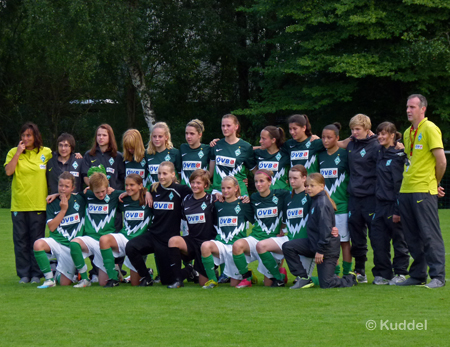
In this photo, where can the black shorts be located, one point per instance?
(194, 253)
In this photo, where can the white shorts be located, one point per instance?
(65, 265)
(121, 243)
(252, 242)
(342, 225)
(308, 263)
(226, 257)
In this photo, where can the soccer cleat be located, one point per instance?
(303, 283)
(24, 280)
(94, 279)
(361, 278)
(176, 284)
(82, 284)
(244, 283)
(378, 280)
(277, 283)
(35, 279)
(435, 283)
(193, 275)
(47, 284)
(146, 282)
(111, 283)
(254, 278)
(354, 278)
(411, 282)
(210, 284)
(397, 279)
(223, 279)
(284, 272)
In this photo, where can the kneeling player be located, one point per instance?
(65, 219)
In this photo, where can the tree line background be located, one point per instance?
(71, 65)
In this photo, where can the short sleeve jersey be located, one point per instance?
(296, 211)
(199, 215)
(56, 168)
(136, 218)
(420, 175)
(193, 159)
(304, 153)
(268, 213)
(101, 214)
(334, 168)
(278, 163)
(132, 167)
(230, 161)
(72, 224)
(154, 160)
(29, 184)
(231, 219)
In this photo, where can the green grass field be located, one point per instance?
(191, 316)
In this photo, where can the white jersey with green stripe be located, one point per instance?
(278, 163)
(304, 153)
(153, 161)
(334, 168)
(193, 159)
(231, 219)
(101, 214)
(136, 218)
(268, 213)
(296, 212)
(230, 161)
(72, 224)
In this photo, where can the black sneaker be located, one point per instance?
(146, 282)
(176, 284)
(111, 283)
(277, 283)
(411, 282)
(223, 279)
(157, 279)
(193, 275)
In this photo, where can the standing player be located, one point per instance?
(419, 195)
(198, 212)
(333, 164)
(271, 157)
(295, 217)
(231, 217)
(65, 220)
(137, 218)
(230, 155)
(320, 244)
(64, 160)
(386, 224)
(101, 209)
(167, 197)
(267, 207)
(134, 154)
(159, 149)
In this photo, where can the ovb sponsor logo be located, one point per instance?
(98, 209)
(329, 173)
(140, 172)
(225, 161)
(161, 205)
(75, 173)
(228, 222)
(134, 215)
(110, 170)
(153, 169)
(191, 165)
(299, 155)
(267, 212)
(196, 218)
(272, 166)
(419, 147)
(295, 213)
(71, 219)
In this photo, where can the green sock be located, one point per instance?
(77, 257)
(315, 280)
(241, 263)
(222, 267)
(269, 262)
(109, 263)
(44, 263)
(346, 267)
(208, 264)
(337, 270)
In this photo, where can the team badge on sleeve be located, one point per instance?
(278, 156)
(237, 209)
(337, 160)
(75, 165)
(107, 198)
(111, 161)
(275, 199)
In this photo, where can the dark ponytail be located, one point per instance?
(302, 121)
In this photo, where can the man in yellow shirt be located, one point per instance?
(419, 193)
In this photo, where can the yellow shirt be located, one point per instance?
(29, 185)
(420, 175)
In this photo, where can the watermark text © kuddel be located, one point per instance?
(386, 324)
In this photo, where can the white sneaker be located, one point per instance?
(47, 284)
(83, 283)
(397, 279)
(94, 279)
(378, 280)
(361, 278)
